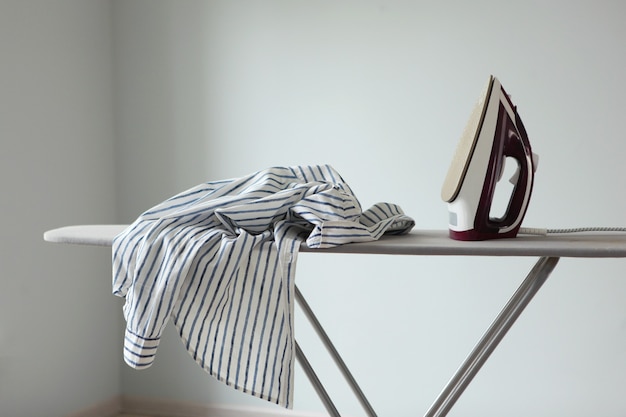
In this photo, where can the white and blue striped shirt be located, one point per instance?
(219, 260)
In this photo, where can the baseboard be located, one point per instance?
(108, 408)
(154, 407)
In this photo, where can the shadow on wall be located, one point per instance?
(161, 102)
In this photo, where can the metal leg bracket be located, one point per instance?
(466, 372)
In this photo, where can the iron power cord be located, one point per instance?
(544, 232)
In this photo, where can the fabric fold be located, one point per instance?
(219, 260)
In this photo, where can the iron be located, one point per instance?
(494, 133)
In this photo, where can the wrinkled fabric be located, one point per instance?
(219, 260)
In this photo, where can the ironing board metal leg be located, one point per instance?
(317, 384)
(333, 352)
(511, 311)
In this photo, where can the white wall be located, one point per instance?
(59, 325)
(382, 90)
(379, 89)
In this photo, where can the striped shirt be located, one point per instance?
(219, 259)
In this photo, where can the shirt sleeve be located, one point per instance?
(152, 287)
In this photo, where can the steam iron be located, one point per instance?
(494, 133)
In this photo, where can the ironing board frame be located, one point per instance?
(549, 249)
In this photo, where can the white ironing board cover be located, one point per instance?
(417, 242)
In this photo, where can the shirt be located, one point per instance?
(219, 260)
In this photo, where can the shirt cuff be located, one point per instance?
(139, 352)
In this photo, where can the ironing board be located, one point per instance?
(549, 249)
